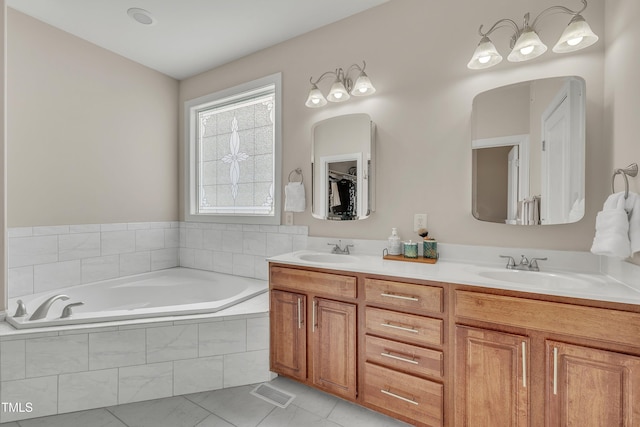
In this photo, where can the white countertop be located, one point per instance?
(593, 286)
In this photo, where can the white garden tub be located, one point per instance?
(171, 292)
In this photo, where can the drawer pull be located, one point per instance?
(402, 297)
(401, 328)
(404, 399)
(400, 358)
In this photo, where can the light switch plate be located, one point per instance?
(419, 221)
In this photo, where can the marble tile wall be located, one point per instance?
(237, 249)
(48, 258)
(73, 370)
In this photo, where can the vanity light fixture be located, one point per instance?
(525, 43)
(342, 88)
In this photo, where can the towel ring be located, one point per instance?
(297, 171)
(631, 170)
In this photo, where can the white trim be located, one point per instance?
(522, 141)
(190, 196)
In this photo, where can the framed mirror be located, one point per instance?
(528, 151)
(343, 168)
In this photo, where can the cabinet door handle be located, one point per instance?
(400, 358)
(402, 297)
(524, 364)
(401, 328)
(299, 313)
(555, 370)
(313, 314)
(404, 399)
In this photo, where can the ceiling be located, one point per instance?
(189, 36)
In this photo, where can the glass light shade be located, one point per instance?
(576, 36)
(338, 92)
(528, 46)
(486, 55)
(315, 99)
(363, 86)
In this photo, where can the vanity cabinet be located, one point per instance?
(491, 378)
(313, 319)
(404, 357)
(569, 366)
(591, 387)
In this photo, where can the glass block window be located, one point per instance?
(234, 154)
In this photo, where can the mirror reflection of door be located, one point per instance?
(562, 195)
(540, 126)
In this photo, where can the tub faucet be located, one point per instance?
(21, 311)
(66, 312)
(42, 311)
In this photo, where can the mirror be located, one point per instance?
(342, 168)
(528, 151)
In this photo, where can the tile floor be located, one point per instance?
(224, 408)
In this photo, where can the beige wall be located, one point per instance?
(3, 180)
(416, 53)
(621, 143)
(92, 136)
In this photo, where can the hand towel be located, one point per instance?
(294, 197)
(632, 206)
(612, 229)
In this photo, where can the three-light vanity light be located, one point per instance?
(525, 43)
(342, 88)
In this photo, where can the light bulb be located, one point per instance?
(526, 50)
(575, 41)
(484, 59)
(315, 101)
(362, 90)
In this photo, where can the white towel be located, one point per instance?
(294, 199)
(612, 228)
(632, 205)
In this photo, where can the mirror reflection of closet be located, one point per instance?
(342, 165)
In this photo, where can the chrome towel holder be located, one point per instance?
(631, 170)
(297, 171)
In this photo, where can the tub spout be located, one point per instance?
(42, 311)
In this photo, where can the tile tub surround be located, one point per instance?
(49, 258)
(237, 249)
(69, 369)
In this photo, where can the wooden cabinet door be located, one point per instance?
(288, 334)
(591, 388)
(334, 346)
(491, 379)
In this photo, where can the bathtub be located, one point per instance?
(170, 292)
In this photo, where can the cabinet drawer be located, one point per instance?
(403, 394)
(589, 322)
(334, 285)
(406, 357)
(404, 327)
(403, 295)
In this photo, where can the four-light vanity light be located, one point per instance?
(526, 44)
(342, 86)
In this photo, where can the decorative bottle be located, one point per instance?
(395, 245)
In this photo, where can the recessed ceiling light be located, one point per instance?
(142, 16)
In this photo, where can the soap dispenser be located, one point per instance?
(395, 246)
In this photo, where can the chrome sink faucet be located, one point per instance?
(337, 249)
(42, 311)
(524, 265)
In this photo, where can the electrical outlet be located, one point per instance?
(288, 218)
(419, 221)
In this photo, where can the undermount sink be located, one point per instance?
(327, 258)
(542, 279)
